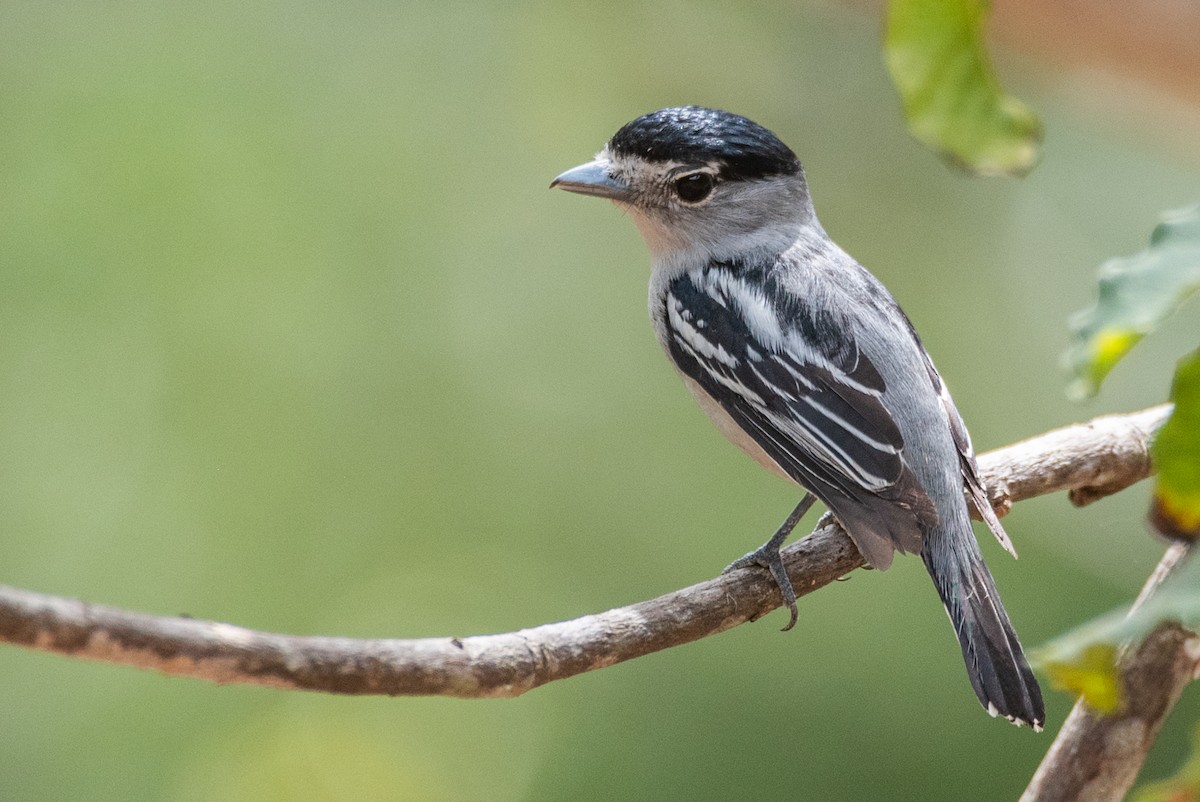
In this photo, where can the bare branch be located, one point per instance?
(1095, 457)
(1097, 757)
(1118, 455)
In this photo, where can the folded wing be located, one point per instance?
(809, 398)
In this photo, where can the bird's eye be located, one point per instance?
(695, 187)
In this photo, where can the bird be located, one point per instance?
(806, 362)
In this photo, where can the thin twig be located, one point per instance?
(1091, 457)
(1097, 757)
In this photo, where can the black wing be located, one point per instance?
(787, 373)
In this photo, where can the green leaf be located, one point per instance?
(1136, 293)
(1176, 454)
(1091, 675)
(1084, 660)
(953, 103)
(1183, 787)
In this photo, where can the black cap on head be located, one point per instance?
(744, 148)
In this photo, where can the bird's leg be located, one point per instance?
(767, 556)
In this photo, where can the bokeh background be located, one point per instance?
(293, 335)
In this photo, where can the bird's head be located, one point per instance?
(700, 184)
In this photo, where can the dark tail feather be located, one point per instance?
(996, 665)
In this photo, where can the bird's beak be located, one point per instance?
(593, 178)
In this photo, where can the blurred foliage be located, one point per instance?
(1083, 660)
(937, 58)
(1176, 510)
(293, 335)
(1087, 670)
(1136, 294)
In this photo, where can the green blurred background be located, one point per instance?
(293, 335)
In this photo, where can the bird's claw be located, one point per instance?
(768, 557)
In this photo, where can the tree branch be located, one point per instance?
(1089, 459)
(1097, 757)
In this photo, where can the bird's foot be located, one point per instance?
(767, 556)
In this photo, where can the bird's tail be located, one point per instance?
(996, 665)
